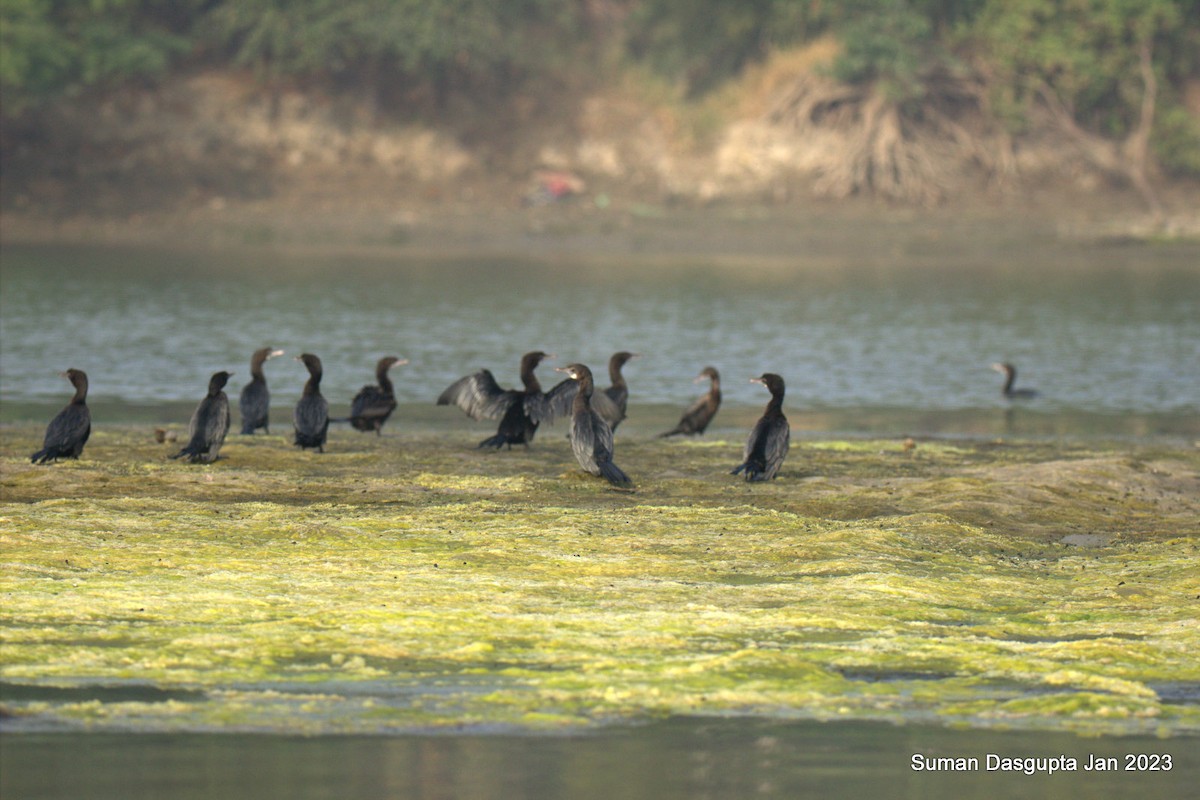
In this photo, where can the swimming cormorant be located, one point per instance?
(768, 442)
(520, 411)
(255, 401)
(209, 424)
(311, 416)
(68, 432)
(591, 437)
(1010, 377)
(701, 412)
(374, 404)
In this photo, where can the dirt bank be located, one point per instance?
(217, 160)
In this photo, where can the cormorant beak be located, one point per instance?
(699, 378)
(758, 380)
(400, 362)
(998, 367)
(570, 372)
(274, 353)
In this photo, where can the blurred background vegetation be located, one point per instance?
(1118, 71)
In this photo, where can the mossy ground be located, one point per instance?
(411, 582)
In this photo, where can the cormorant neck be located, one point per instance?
(256, 369)
(776, 404)
(1010, 380)
(614, 374)
(385, 382)
(80, 398)
(583, 393)
(529, 379)
(313, 385)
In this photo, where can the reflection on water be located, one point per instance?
(686, 759)
(1120, 336)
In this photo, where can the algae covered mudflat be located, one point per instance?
(410, 582)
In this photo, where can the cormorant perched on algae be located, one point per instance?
(591, 437)
(701, 412)
(375, 403)
(311, 415)
(255, 400)
(768, 442)
(68, 432)
(209, 424)
(520, 411)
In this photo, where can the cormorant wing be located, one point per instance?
(777, 443)
(71, 426)
(479, 396)
(608, 409)
(554, 403)
(371, 401)
(697, 416)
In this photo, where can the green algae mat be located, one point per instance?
(411, 582)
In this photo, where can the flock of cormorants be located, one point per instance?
(594, 415)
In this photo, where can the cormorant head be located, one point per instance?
(773, 382)
(387, 362)
(218, 380)
(576, 371)
(708, 373)
(311, 363)
(77, 377)
(529, 361)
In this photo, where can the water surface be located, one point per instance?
(1104, 333)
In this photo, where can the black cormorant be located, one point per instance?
(610, 403)
(1010, 377)
(209, 424)
(520, 411)
(68, 432)
(618, 392)
(311, 416)
(701, 412)
(255, 402)
(591, 437)
(768, 442)
(374, 404)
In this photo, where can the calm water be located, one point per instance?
(686, 759)
(1103, 333)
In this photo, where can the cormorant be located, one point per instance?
(209, 424)
(519, 411)
(768, 442)
(374, 404)
(591, 437)
(1010, 377)
(68, 432)
(311, 416)
(255, 402)
(610, 404)
(618, 392)
(701, 412)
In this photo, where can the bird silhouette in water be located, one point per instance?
(591, 436)
(255, 400)
(1010, 377)
(520, 411)
(700, 413)
(209, 423)
(768, 443)
(68, 432)
(373, 404)
(310, 418)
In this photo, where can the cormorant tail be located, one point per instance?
(613, 474)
